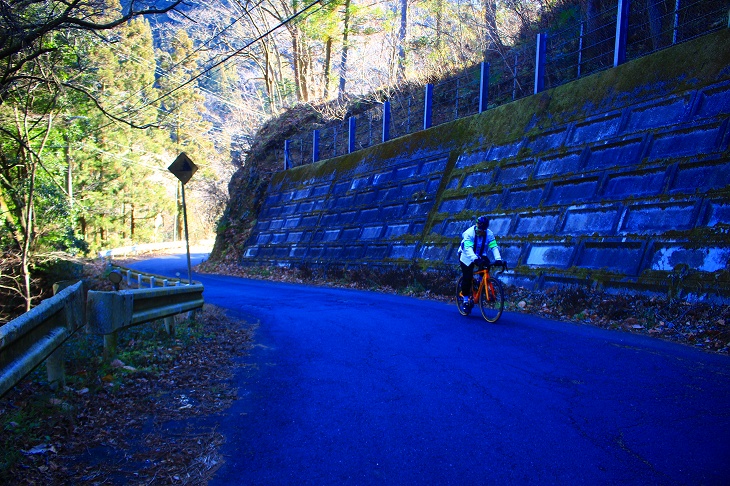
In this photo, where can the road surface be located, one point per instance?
(352, 387)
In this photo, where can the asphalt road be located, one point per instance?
(352, 387)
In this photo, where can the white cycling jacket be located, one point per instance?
(474, 246)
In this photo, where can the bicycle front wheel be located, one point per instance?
(464, 310)
(491, 300)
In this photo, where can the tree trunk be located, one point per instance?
(401, 66)
(343, 61)
(327, 61)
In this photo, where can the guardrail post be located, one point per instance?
(386, 121)
(540, 62)
(286, 154)
(139, 280)
(351, 135)
(169, 325)
(152, 282)
(427, 106)
(484, 87)
(129, 278)
(622, 27)
(315, 146)
(54, 362)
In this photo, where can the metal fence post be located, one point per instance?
(622, 26)
(580, 46)
(286, 154)
(315, 146)
(351, 135)
(427, 106)
(540, 62)
(484, 87)
(386, 121)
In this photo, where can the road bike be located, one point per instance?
(487, 291)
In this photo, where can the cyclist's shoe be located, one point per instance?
(466, 301)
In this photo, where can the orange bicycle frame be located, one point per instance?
(482, 283)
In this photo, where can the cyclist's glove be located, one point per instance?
(501, 263)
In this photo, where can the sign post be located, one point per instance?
(183, 168)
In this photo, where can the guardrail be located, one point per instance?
(37, 335)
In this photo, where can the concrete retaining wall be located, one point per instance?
(620, 189)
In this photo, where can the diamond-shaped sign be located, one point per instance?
(183, 168)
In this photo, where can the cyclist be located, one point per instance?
(475, 242)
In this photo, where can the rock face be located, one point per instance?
(619, 179)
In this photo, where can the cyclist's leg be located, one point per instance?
(467, 272)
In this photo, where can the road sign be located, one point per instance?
(183, 168)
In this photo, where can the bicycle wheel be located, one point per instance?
(464, 310)
(492, 308)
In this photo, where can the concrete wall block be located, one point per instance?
(272, 212)
(511, 253)
(289, 209)
(549, 255)
(262, 226)
(276, 224)
(453, 206)
(394, 230)
(505, 151)
(486, 203)
(309, 221)
(597, 129)
(558, 165)
(403, 173)
(359, 183)
(292, 222)
(621, 257)
(572, 191)
(698, 140)
(708, 259)
(272, 199)
(537, 224)
(331, 235)
(297, 252)
(344, 202)
(719, 213)
(433, 186)
(376, 252)
(515, 173)
(500, 225)
(408, 190)
(547, 141)
(263, 238)
(348, 217)
(620, 154)
(382, 178)
(473, 158)
(306, 206)
(453, 228)
(418, 209)
(315, 252)
(714, 101)
(478, 179)
(333, 252)
(365, 198)
(392, 213)
(320, 204)
(340, 188)
(321, 190)
(354, 252)
(454, 183)
(350, 234)
(586, 221)
(251, 252)
(369, 215)
(662, 114)
(434, 253)
(523, 198)
(403, 252)
(434, 167)
(302, 193)
(372, 232)
(294, 237)
(659, 218)
(277, 238)
(645, 183)
(701, 178)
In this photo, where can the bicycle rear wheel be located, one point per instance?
(492, 308)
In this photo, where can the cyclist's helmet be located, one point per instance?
(482, 223)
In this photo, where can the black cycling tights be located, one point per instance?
(468, 272)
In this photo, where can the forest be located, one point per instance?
(98, 97)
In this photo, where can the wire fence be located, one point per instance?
(586, 46)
